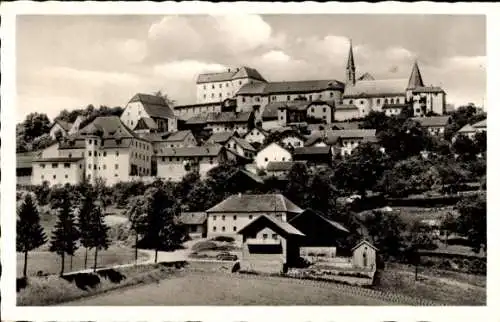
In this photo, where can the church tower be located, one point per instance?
(415, 77)
(350, 68)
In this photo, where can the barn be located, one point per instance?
(364, 256)
(269, 245)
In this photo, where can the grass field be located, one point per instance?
(445, 287)
(50, 263)
(225, 289)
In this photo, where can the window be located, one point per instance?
(288, 97)
(67, 165)
(204, 95)
(275, 236)
(211, 160)
(90, 166)
(283, 159)
(266, 159)
(257, 99)
(204, 86)
(234, 228)
(95, 142)
(243, 99)
(95, 166)
(42, 177)
(215, 217)
(65, 176)
(312, 110)
(90, 153)
(250, 217)
(54, 165)
(42, 166)
(264, 236)
(54, 176)
(90, 141)
(104, 167)
(362, 102)
(223, 228)
(80, 166)
(117, 153)
(392, 101)
(234, 217)
(319, 96)
(116, 166)
(378, 100)
(227, 84)
(220, 94)
(213, 86)
(223, 217)
(104, 154)
(220, 85)
(215, 228)
(331, 94)
(386, 101)
(69, 155)
(213, 95)
(351, 102)
(95, 153)
(241, 83)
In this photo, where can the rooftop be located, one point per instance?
(256, 203)
(244, 144)
(154, 105)
(281, 227)
(430, 121)
(201, 151)
(220, 137)
(230, 74)
(65, 125)
(291, 87)
(57, 159)
(220, 117)
(312, 150)
(192, 218)
(282, 165)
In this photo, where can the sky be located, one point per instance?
(68, 62)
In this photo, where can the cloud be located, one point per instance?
(133, 50)
(466, 62)
(275, 56)
(243, 32)
(186, 69)
(398, 53)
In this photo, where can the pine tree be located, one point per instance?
(65, 234)
(84, 226)
(29, 232)
(98, 232)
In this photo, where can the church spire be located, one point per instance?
(415, 77)
(350, 68)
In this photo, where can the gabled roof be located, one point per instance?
(312, 150)
(25, 159)
(194, 151)
(220, 137)
(256, 203)
(282, 165)
(376, 88)
(154, 105)
(271, 110)
(249, 174)
(331, 137)
(191, 218)
(366, 76)
(364, 242)
(178, 136)
(65, 125)
(230, 74)
(387, 106)
(332, 223)
(428, 89)
(467, 128)
(480, 124)
(430, 121)
(278, 144)
(244, 144)
(146, 123)
(109, 126)
(281, 227)
(290, 87)
(57, 159)
(415, 77)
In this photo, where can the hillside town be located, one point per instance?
(350, 180)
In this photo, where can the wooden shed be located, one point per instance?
(364, 255)
(269, 244)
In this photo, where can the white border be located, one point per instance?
(316, 313)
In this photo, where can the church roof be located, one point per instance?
(376, 88)
(350, 58)
(292, 87)
(415, 77)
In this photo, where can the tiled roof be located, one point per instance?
(154, 105)
(109, 126)
(57, 159)
(271, 110)
(220, 137)
(480, 124)
(192, 218)
(428, 89)
(146, 123)
(65, 125)
(312, 150)
(346, 125)
(256, 203)
(282, 165)
(25, 159)
(178, 136)
(72, 142)
(261, 130)
(220, 117)
(343, 107)
(467, 128)
(228, 75)
(430, 121)
(331, 137)
(415, 77)
(292, 87)
(249, 174)
(195, 105)
(244, 144)
(335, 224)
(207, 150)
(376, 88)
(281, 227)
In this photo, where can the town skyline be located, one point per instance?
(118, 56)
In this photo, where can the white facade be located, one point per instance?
(56, 171)
(175, 168)
(272, 152)
(346, 114)
(133, 112)
(228, 224)
(255, 135)
(292, 141)
(367, 104)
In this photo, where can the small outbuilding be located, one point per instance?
(195, 223)
(364, 256)
(269, 245)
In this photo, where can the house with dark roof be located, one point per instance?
(222, 122)
(221, 138)
(221, 85)
(149, 107)
(194, 223)
(244, 181)
(470, 130)
(63, 128)
(270, 245)
(314, 155)
(343, 141)
(435, 125)
(174, 163)
(280, 169)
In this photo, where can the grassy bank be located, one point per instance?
(52, 290)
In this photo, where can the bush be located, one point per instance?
(204, 245)
(424, 202)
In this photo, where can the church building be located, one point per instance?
(389, 95)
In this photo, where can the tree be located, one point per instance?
(448, 225)
(360, 171)
(406, 177)
(480, 142)
(321, 193)
(65, 234)
(297, 186)
(98, 233)
(35, 125)
(385, 229)
(29, 232)
(137, 215)
(472, 221)
(84, 223)
(168, 100)
(460, 117)
(420, 238)
(466, 149)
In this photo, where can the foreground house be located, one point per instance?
(345, 141)
(269, 245)
(281, 169)
(194, 223)
(470, 130)
(364, 256)
(229, 216)
(435, 125)
(314, 155)
(58, 170)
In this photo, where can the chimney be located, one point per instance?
(229, 70)
(239, 194)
